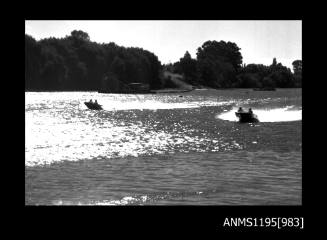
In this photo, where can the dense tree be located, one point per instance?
(274, 62)
(218, 63)
(83, 36)
(32, 56)
(249, 80)
(258, 75)
(225, 52)
(76, 63)
(187, 66)
(297, 69)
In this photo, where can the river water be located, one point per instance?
(163, 149)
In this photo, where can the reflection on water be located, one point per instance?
(67, 130)
(107, 135)
(162, 149)
(286, 114)
(261, 177)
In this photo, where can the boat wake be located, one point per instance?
(286, 114)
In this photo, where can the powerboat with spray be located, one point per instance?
(246, 117)
(93, 105)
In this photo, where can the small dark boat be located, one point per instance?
(247, 117)
(93, 106)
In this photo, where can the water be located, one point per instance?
(163, 149)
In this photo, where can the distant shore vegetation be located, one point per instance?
(75, 63)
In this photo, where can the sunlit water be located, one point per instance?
(286, 114)
(163, 148)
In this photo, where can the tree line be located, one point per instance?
(219, 65)
(75, 63)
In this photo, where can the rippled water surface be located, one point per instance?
(163, 148)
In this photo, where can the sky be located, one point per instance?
(260, 41)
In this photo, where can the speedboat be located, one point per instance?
(93, 106)
(247, 117)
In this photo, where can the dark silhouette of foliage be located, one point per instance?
(274, 62)
(258, 75)
(187, 66)
(225, 52)
(218, 63)
(297, 69)
(32, 62)
(75, 63)
(80, 35)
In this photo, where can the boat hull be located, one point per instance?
(93, 106)
(246, 117)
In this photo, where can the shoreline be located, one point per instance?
(164, 90)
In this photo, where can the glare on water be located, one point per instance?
(162, 149)
(285, 114)
(59, 127)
